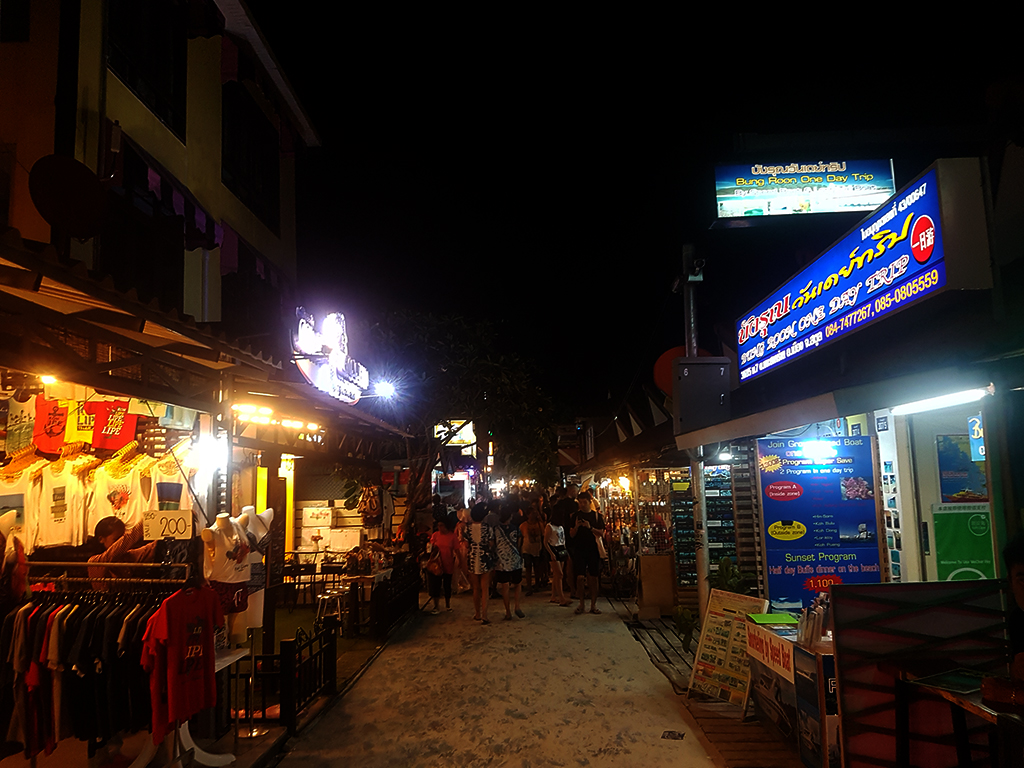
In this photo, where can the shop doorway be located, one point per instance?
(956, 531)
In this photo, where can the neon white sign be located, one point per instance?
(322, 357)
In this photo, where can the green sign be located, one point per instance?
(963, 542)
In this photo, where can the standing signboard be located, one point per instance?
(720, 666)
(820, 516)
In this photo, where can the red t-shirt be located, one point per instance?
(114, 427)
(178, 653)
(51, 423)
(445, 543)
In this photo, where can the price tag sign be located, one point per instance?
(167, 524)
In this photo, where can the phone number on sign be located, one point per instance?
(920, 284)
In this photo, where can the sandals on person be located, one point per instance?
(485, 621)
(578, 610)
(595, 610)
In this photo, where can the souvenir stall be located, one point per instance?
(615, 501)
(110, 468)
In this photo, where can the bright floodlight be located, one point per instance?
(384, 389)
(943, 401)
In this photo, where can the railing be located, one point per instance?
(309, 669)
(286, 683)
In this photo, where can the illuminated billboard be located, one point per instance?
(890, 260)
(793, 188)
(321, 355)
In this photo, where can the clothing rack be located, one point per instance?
(106, 579)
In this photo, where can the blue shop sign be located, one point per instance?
(892, 259)
(763, 189)
(820, 518)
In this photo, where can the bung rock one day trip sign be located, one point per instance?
(820, 518)
(889, 261)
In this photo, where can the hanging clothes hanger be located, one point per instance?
(20, 460)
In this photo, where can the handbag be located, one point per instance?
(434, 565)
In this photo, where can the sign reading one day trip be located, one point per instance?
(820, 519)
(780, 190)
(892, 259)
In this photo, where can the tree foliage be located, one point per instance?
(447, 367)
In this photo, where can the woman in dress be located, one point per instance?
(554, 544)
(480, 554)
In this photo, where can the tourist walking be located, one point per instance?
(480, 555)
(561, 514)
(444, 541)
(586, 526)
(554, 544)
(509, 569)
(532, 531)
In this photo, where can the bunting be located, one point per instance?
(656, 413)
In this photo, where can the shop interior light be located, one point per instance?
(48, 379)
(264, 411)
(313, 427)
(725, 455)
(210, 453)
(243, 408)
(624, 482)
(942, 401)
(384, 389)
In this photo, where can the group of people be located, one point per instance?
(498, 539)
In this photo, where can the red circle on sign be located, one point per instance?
(783, 490)
(922, 239)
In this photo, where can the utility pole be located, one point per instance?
(693, 274)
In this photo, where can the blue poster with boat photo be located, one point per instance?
(819, 502)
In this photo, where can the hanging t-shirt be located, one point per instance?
(21, 421)
(60, 516)
(51, 424)
(80, 423)
(17, 494)
(170, 486)
(115, 496)
(178, 652)
(114, 427)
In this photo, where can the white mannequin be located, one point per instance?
(7, 523)
(259, 526)
(223, 541)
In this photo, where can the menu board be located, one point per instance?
(819, 514)
(720, 666)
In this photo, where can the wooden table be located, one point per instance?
(1006, 734)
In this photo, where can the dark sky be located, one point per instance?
(548, 180)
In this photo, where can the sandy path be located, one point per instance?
(553, 689)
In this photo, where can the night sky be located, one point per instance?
(548, 180)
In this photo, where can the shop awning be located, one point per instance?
(58, 320)
(842, 402)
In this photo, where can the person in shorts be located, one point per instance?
(554, 545)
(586, 526)
(509, 570)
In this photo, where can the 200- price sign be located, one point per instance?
(167, 524)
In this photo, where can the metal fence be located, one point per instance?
(286, 683)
